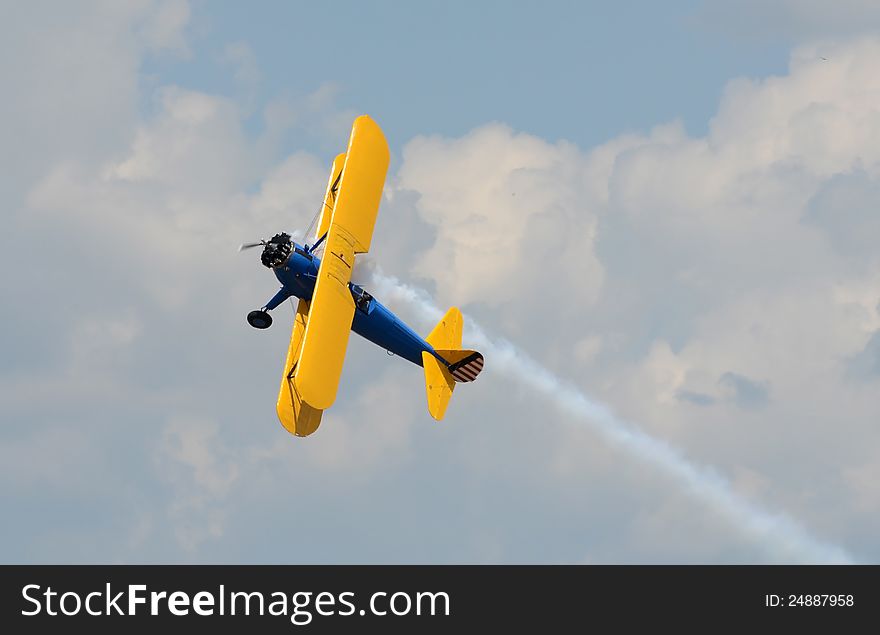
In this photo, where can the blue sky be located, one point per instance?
(667, 209)
(582, 71)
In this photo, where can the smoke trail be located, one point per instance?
(783, 538)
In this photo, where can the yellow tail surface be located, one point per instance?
(461, 365)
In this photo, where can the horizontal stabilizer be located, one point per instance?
(439, 385)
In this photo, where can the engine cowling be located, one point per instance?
(277, 251)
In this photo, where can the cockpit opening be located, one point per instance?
(362, 299)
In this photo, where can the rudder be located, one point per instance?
(464, 365)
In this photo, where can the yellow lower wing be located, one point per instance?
(296, 416)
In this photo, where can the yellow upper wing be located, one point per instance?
(363, 177)
(326, 334)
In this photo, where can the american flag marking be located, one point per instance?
(467, 369)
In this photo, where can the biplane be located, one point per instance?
(330, 305)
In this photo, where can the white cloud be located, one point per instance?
(505, 206)
(731, 284)
(70, 73)
(163, 27)
(865, 480)
(50, 458)
(196, 142)
(201, 471)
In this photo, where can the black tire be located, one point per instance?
(259, 319)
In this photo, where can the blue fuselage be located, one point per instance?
(372, 321)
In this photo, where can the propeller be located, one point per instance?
(244, 246)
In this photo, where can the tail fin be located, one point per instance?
(447, 333)
(461, 365)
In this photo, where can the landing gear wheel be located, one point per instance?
(259, 319)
